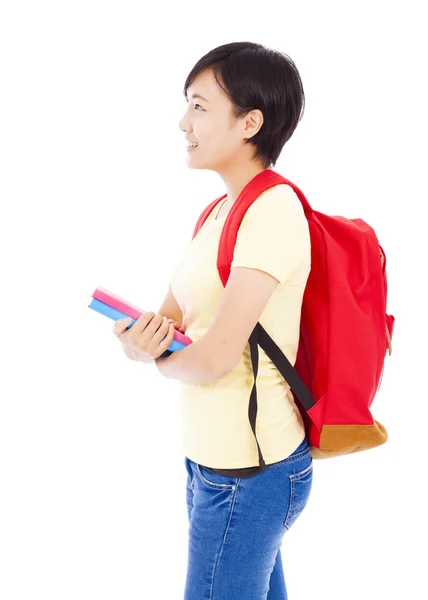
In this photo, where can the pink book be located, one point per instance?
(131, 310)
(118, 303)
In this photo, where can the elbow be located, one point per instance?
(215, 371)
(216, 366)
(219, 363)
(223, 366)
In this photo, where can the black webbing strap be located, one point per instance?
(281, 362)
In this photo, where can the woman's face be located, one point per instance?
(208, 121)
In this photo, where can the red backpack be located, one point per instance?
(344, 329)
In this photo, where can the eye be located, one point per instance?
(199, 105)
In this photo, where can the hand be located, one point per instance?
(147, 339)
(177, 326)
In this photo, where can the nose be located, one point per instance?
(184, 123)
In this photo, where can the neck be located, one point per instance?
(237, 178)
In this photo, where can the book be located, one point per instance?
(114, 307)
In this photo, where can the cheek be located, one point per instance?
(204, 130)
(212, 135)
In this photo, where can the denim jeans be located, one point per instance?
(236, 528)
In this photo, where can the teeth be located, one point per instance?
(192, 145)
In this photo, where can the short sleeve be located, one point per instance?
(274, 234)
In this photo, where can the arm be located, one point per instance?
(273, 240)
(216, 354)
(192, 364)
(170, 308)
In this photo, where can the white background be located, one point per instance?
(95, 191)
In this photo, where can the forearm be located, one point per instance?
(193, 364)
(130, 354)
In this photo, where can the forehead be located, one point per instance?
(205, 85)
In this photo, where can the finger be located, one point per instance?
(121, 326)
(161, 332)
(166, 343)
(150, 328)
(149, 334)
(140, 325)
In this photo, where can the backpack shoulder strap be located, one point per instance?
(206, 213)
(259, 184)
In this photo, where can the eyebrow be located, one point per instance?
(193, 96)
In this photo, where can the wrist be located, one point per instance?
(160, 362)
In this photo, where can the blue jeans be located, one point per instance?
(236, 528)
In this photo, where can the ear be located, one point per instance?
(253, 123)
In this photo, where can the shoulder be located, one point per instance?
(276, 207)
(282, 195)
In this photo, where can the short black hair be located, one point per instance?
(256, 77)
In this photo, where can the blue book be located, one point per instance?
(112, 313)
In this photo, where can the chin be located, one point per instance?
(195, 165)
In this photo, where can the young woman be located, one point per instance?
(244, 103)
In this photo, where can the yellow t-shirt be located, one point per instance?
(215, 427)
